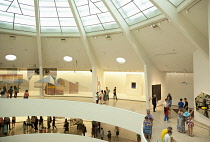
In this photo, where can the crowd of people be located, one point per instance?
(12, 92)
(184, 117)
(103, 96)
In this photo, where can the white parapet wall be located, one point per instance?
(45, 107)
(48, 137)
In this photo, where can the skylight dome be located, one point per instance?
(56, 15)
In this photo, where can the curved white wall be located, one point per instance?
(44, 107)
(48, 137)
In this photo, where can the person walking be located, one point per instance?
(115, 93)
(154, 102)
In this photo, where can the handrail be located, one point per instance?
(51, 137)
(45, 107)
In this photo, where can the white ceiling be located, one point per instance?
(166, 46)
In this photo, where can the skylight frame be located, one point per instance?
(25, 11)
(57, 7)
(128, 19)
(99, 25)
(173, 2)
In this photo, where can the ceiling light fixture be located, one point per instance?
(67, 59)
(120, 60)
(10, 57)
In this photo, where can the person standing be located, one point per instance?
(84, 129)
(16, 90)
(66, 126)
(5, 92)
(102, 133)
(154, 102)
(138, 137)
(167, 137)
(115, 93)
(164, 132)
(13, 122)
(97, 98)
(181, 121)
(26, 94)
(169, 95)
(36, 124)
(7, 121)
(186, 104)
(49, 120)
(109, 135)
(107, 93)
(169, 106)
(147, 130)
(10, 91)
(53, 123)
(117, 131)
(180, 104)
(150, 117)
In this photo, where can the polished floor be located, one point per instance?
(201, 132)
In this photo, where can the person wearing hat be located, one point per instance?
(164, 132)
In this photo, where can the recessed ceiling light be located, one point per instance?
(10, 57)
(67, 58)
(120, 60)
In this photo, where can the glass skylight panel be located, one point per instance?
(176, 3)
(135, 11)
(56, 16)
(94, 14)
(18, 13)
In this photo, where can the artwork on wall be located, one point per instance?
(11, 78)
(202, 103)
(73, 88)
(133, 85)
(156, 90)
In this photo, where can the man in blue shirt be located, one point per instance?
(180, 104)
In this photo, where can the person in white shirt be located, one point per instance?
(167, 137)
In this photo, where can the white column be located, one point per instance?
(87, 46)
(187, 28)
(137, 48)
(146, 87)
(36, 6)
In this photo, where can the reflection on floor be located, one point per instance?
(200, 131)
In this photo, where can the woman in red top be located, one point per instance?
(26, 94)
